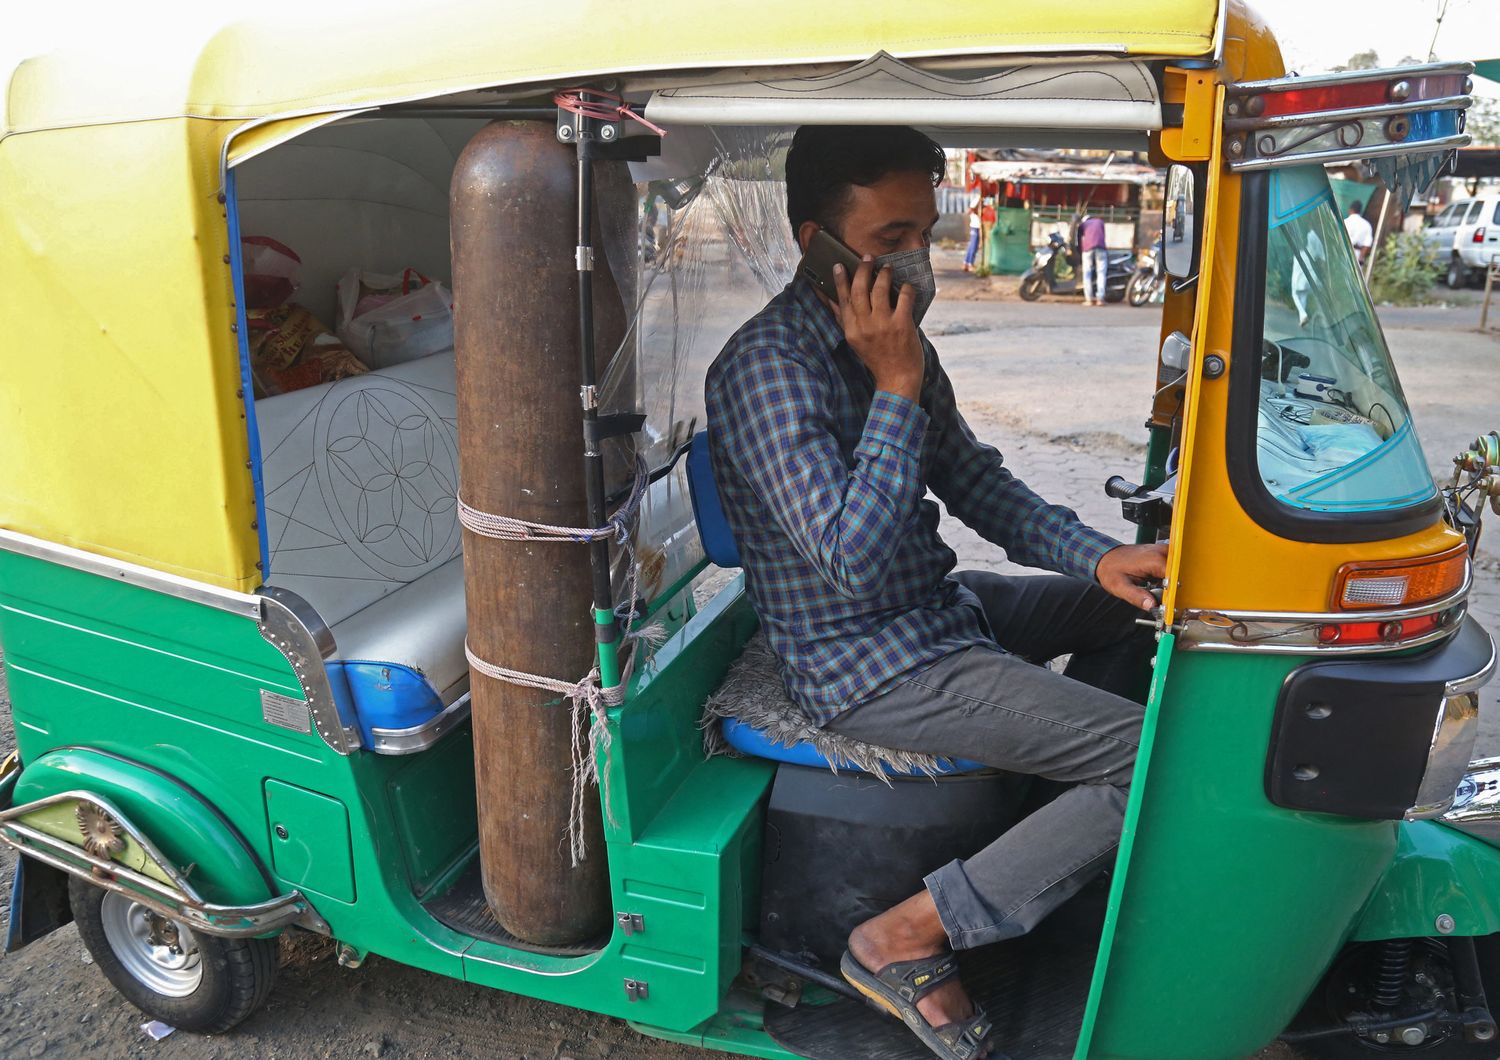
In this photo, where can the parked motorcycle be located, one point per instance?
(1148, 284)
(1054, 272)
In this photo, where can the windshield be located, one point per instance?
(1334, 434)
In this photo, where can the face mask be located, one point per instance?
(913, 267)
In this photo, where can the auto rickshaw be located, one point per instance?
(345, 655)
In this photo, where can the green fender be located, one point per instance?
(1437, 870)
(184, 827)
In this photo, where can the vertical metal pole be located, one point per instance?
(1489, 288)
(606, 629)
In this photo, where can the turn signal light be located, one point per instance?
(1405, 583)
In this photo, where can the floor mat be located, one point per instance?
(462, 907)
(1034, 990)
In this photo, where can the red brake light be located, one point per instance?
(1333, 97)
(1375, 93)
(1478, 235)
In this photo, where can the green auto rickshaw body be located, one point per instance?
(158, 678)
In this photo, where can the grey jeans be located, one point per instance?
(1081, 727)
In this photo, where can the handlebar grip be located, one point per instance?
(1120, 488)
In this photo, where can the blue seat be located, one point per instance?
(708, 513)
(749, 740)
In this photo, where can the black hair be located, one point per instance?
(826, 160)
(1356, 207)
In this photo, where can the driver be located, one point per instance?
(828, 425)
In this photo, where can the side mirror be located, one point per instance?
(1180, 235)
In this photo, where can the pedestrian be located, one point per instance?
(1361, 235)
(974, 226)
(1095, 258)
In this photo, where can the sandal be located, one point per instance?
(901, 984)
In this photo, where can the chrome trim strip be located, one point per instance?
(245, 605)
(420, 737)
(294, 627)
(1221, 30)
(1319, 117)
(1389, 73)
(1251, 165)
(1208, 630)
(1310, 645)
(178, 900)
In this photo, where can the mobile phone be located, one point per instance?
(824, 251)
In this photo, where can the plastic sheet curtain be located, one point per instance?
(709, 249)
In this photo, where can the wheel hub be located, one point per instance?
(157, 950)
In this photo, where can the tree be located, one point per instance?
(1365, 60)
(1483, 122)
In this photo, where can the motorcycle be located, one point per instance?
(1054, 272)
(1149, 280)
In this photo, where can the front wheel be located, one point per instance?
(1418, 1015)
(1140, 289)
(197, 982)
(1033, 286)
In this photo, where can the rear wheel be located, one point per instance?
(1417, 1017)
(1033, 286)
(200, 983)
(1458, 273)
(1140, 289)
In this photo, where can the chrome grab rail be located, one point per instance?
(178, 899)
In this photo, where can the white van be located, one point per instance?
(1465, 236)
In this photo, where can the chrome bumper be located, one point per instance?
(1453, 739)
(1476, 804)
(176, 898)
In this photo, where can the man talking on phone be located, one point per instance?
(830, 418)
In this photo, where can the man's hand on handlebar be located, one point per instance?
(1123, 569)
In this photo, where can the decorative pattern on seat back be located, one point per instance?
(359, 478)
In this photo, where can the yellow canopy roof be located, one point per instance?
(121, 415)
(259, 69)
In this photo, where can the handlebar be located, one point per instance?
(1120, 488)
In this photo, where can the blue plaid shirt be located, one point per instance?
(824, 483)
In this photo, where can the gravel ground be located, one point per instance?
(1017, 368)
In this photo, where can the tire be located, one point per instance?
(1033, 286)
(1458, 273)
(1355, 965)
(192, 981)
(1140, 289)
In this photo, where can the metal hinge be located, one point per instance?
(631, 923)
(637, 989)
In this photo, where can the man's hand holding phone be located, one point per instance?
(883, 336)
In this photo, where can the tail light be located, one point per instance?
(1403, 583)
(1478, 235)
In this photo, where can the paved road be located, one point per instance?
(1062, 390)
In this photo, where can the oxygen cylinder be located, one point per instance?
(516, 336)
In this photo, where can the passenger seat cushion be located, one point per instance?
(360, 477)
(752, 714)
